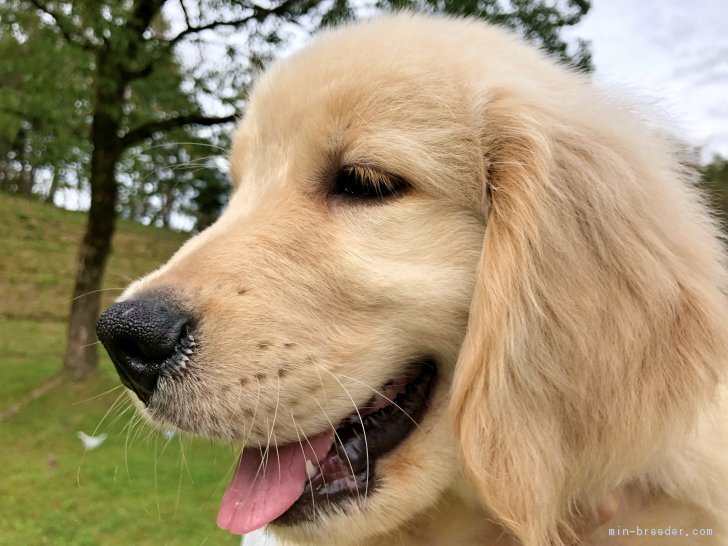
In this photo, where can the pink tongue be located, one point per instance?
(257, 496)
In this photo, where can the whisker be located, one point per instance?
(184, 458)
(275, 414)
(363, 429)
(149, 435)
(98, 395)
(265, 454)
(141, 424)
(303, 452)
(129, 422)
(263, 465)
(245, 442)
(132, 422)
(202, 162)
(278, 455)
(255, 415)
(120, 275)
(238, 454)
(179, 481)
(380, 394)
(166, 443)
(107, 414)
(348, 460)
(94, 292)
(156, 485)
(80, 464)
(129, 406)
(172, 144)
(83, 456)
(263, 460)
(318, 372)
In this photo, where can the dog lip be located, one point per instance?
(348, 470)
(177, 363)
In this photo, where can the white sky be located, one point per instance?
(672, 52)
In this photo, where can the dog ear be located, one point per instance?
(596, 326)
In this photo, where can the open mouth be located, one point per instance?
(295, 482)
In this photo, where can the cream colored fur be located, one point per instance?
(552, 254)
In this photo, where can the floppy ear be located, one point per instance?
(596, 326)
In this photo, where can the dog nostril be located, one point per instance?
(140, 335)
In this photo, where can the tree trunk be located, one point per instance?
(168, 204)
(30, 180)
(5, 175)
(81, 355)
(53, 188)
(25, 176)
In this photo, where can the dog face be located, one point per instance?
(431, 225)
(344, 262)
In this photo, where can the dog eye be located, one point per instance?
(364, 183)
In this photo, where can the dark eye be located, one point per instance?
(366, 184)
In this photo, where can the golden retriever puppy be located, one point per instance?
(458, 297)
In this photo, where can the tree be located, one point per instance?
(715, 180)
(43, 130)
(42, 123)
(539, 21)
(123, 46)
(132, 89)
(175, 179)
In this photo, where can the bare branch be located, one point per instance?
(259, 14)
(140, 18)
(14, 112)
(64, 26)
(142, 13)
(186, 13)
(142, 132)
(216, 24)
(138, 73)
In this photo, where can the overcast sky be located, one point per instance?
(671, 52)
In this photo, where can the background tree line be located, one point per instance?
(127, 105)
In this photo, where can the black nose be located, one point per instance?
(143, 337)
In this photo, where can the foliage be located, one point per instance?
(715, 179)
(539, 21)
(43, 118)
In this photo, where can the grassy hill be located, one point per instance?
(138, 487)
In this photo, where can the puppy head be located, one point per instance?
(345, 259)
(412, 190)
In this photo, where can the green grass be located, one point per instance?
(39, 244)
(30, 351)
(136, 488)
